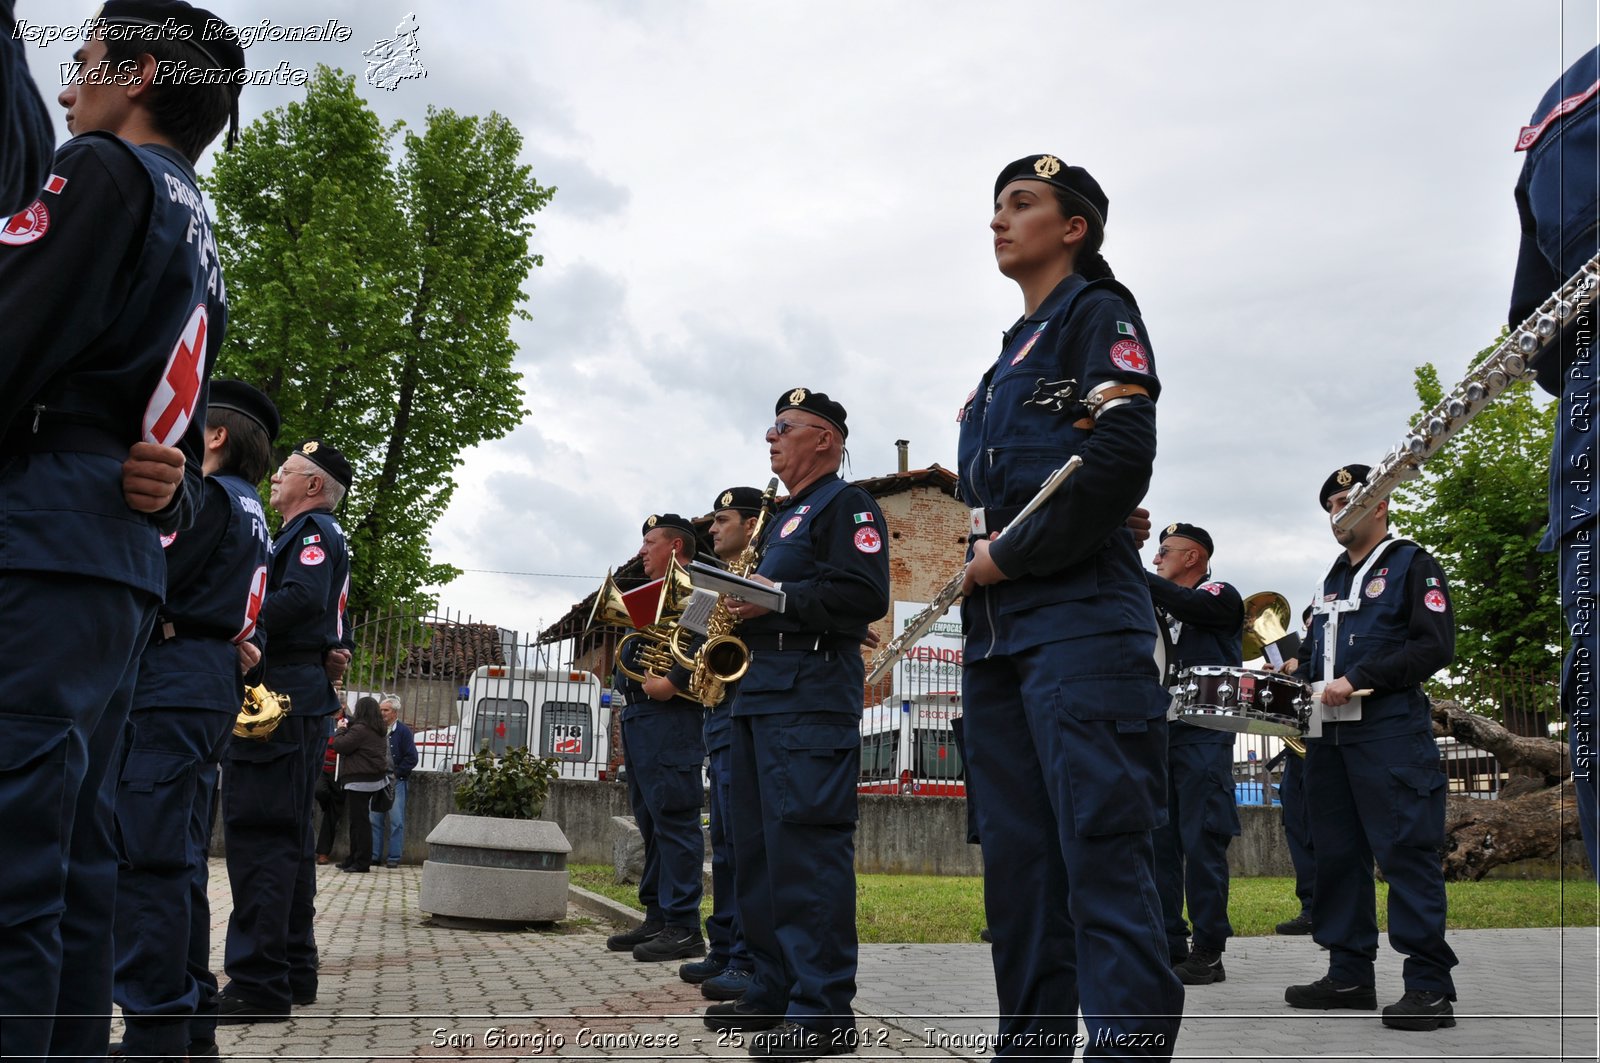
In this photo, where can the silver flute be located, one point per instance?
(1514, 359)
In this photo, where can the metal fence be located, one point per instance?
(467, 685)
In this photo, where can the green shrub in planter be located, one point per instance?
(513, 786)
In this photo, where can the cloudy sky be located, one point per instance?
(1308, 200)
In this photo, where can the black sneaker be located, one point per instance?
(1326, 994)
(1300, 924)
(673, 943)
(791, 1041)
(986, 935)
(737, 1015)
(729, 985)
(697, 972)
(1420, 1009)
(637, 936)
(1203, 967)
(235, 1011)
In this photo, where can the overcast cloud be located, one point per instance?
(1308, 201)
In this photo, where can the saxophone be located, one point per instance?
(723, 658)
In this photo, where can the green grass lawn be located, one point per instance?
(924, 909)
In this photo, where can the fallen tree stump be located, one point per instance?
(1484, 834)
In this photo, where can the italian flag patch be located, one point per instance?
(863, 518)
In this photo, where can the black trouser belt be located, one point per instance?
(294, 657)
(80, 438)
(805, 641)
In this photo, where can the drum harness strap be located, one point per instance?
(1333, 609)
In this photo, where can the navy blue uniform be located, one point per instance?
(1065, 719)
(1297, 829)
(27, 139)
(724, 930)
(188, 695)
(797, 752)
(268, 787)
(1374, 785)
(114, 312)
(1206, 623)
(1558, 199)
(664, 752)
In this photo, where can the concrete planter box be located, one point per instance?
(505, 870)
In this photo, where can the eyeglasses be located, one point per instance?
(297, 472)
(1165, 550)
(782, 427)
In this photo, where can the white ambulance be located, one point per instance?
(907, 747)
(554, 713)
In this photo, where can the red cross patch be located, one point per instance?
(312, 555)
(252, 605)
(1435, 600)
(26, 226)
(1129, 355)
(868, 541)
(170, 408)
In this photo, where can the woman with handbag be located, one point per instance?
(363, 769)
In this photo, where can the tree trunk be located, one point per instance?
(1480, 834)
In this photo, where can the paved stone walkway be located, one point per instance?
(394, 987)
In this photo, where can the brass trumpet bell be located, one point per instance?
(609, 608)
(1266, 620)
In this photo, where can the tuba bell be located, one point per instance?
(656, 657)
(263, 710)
(1267, 616)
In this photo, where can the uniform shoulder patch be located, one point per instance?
(868, 541)
(1212, 589)
(313, 555)
(1130, 355)
(26, 226)
(1435, 600)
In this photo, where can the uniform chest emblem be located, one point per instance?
(1435, 600)
(788, 527)
(1130, 355)
(313, 555)
(26, 226)
(1376, 586)
(168, 539)
(1026, 347)
(868, 541)
(1052, 395)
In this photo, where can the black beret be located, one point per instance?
(240, 397)
(747, 500)
(327, 458)
(1074, 180)
(1342, 480)
(675, 522)
(181, 21)
(814, 402)
(1188, 531)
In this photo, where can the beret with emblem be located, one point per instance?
(193, 26)
(1188, 531)
(1074, 180)
(675, 522)
(1342, 480)
(241, 398)
(180, 21)
(746, 500)
(814, 402)
(326, 457)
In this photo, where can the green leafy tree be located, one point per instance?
(1479, 507)
(371, 293)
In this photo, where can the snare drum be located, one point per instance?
(1243, 700)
